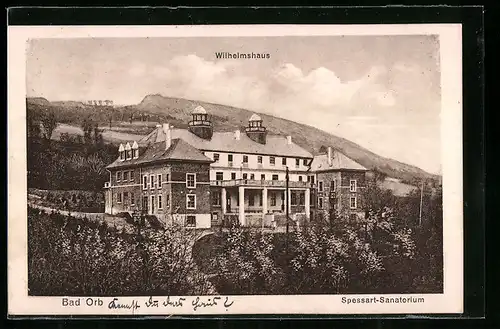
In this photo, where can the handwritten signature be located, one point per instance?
(115, 304)
(197, 303)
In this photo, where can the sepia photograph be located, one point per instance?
(178, 170)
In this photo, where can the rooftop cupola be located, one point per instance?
(201, 124)
(255, 130)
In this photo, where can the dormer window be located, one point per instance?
(135, 150)
(128, 152)
(121, 151)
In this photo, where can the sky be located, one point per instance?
(382, 92)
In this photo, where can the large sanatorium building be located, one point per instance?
(203, 178)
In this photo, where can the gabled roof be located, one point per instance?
(225, 142)
(179, 150)
(339, 162)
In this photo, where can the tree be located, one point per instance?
(49, 124)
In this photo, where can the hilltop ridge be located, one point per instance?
(228, 118)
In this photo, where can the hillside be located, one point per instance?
(159, 108)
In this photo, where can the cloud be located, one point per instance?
(385, 99)
(137, 69)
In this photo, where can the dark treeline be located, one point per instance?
(73, 113)
(74, 162)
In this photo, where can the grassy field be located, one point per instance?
(115, 135)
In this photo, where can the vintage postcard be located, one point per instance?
(217, 170)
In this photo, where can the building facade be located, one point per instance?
(238, 176)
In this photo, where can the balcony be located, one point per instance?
(199, 123)
(258, 183)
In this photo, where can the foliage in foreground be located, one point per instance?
(70, 256)
(385, 253)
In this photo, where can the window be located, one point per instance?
(125, 176)
(297, 162)
(283, 161)
(293, 198)
(132, 198)
(300, 178)
(125, 197)
(260, 200)
(302, 198)
(332, 185)
(233, 175)
(251, 199)
(132, 176)
(353, 217)
(153, 183)
(216, 157)
(160, 203)
(167, 178)
(230, 158)
(245, 159)
(259, 159)
(118, 176)
(129, 155)
(159, 180)
(272, 161)
(119, 197)
(219, 175)
(245, 176)
(167, 200)
(152, 203)
(216, 198)
(252, 176)
(145, 182)
(352, 185)
(190, 221)
(191, 201)
(122, 155)
(305, 162)
(320, 186)
(312, 179)
(275, 177)
(263, 177)
(320, 203)
(353, 202)
(273, 199)
(135, 153)
(191, 180)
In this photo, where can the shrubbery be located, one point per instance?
(73, 200)
(386, 253)
(70, 256)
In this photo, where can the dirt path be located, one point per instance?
(119, 223)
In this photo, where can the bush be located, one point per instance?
(70, 256)
(153, 221)
(127, 217)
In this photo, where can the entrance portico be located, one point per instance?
(251, 200)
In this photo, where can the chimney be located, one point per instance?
(289, 140)
(237, 135)
(329, 156)
(168, 135)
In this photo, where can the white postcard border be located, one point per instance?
(451, 301)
